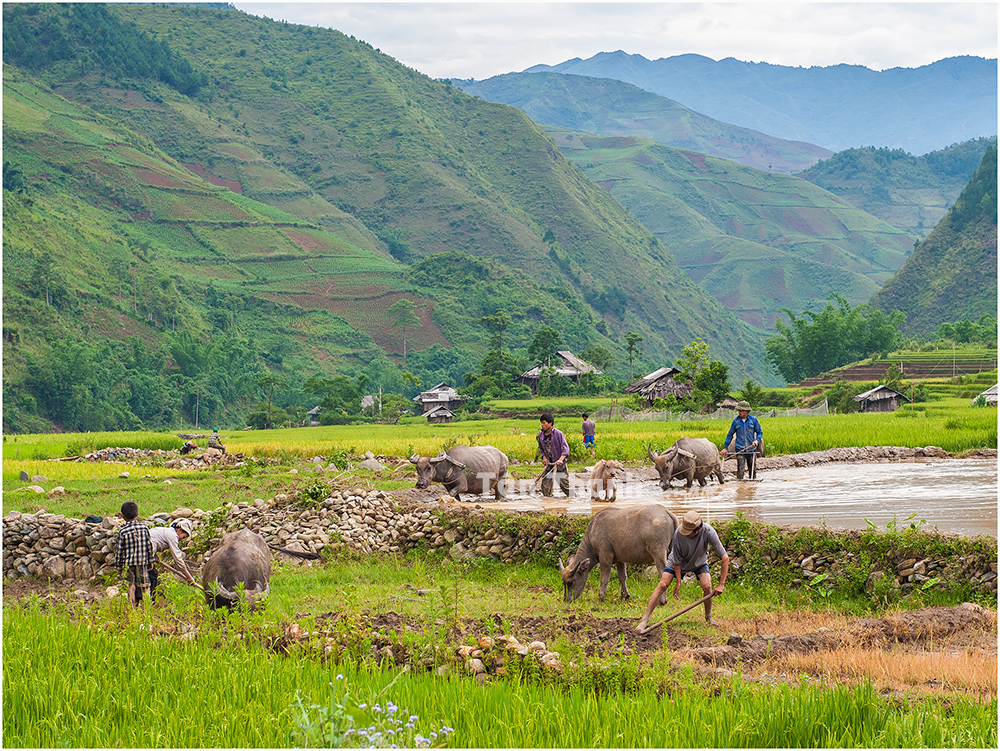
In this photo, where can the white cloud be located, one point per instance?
(478, 40)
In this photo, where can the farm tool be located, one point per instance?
(752, 460)
(682, 611)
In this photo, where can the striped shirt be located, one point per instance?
(133, 546)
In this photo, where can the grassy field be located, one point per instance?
(111, 676)
(96, 487)
(297, 672)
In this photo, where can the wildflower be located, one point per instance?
(414, 718)
(340, 676)
(409, 725)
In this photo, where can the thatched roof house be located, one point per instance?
(659, 384)
(729, 402)
(439, 414)
(441, 395)
(565, 364)
(880, 399)
(990, 395)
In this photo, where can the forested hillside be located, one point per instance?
(247, 201)
(909, 192)
(952, 274)
(755, 240)
(608, 107)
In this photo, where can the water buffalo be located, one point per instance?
(244, 557)
(603, 476)
(688, 459)
(637, 535)
(464, 469)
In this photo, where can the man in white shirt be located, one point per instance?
(167, 538)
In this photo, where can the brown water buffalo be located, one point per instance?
(688, 459)
(618, 536)
(464, 469)
(243, 557)
(603, 476)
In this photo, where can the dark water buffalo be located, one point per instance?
(243, 557)
(688, 459)
(464, 469)
(618, 536)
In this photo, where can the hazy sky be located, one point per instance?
(479, 40)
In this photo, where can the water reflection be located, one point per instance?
(955, 495)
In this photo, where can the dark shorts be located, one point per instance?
(588, 440)
(702, 569)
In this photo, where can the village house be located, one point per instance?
(989, 396)
(729, 402)
(565, 364)
(880, 399)
(439, 414)
(659, 384)
(441, 395)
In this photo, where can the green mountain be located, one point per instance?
(910, 192)
(251, 196)
(609, 107)
(952, 274)
(756, 241)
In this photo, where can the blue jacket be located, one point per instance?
(746, 432)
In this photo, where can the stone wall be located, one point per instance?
(52, 546)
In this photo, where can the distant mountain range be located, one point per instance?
(836, 107)
(609, 107)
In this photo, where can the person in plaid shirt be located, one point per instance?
(134, 548)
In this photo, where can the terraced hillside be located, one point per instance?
(916, 366)
(323, 127)
(755, 240)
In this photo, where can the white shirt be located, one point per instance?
(164, 538)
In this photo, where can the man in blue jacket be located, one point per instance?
(747, 438)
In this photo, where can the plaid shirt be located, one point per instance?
(133, 546)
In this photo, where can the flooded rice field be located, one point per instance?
(953, 495)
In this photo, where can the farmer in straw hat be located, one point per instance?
(748, 436)
(689, 555)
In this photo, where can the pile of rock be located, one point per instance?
(52, 546)
(129, 455)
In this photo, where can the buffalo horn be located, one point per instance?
(649, 450)
(414, 459)
(561, 566)
(454, 461)
(226, 594)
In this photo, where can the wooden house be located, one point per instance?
(659, 384)
(728, 403)
(880, 399)
(990, 395)
(440, 414)
(441, 395)
(566, 365)
(313, 417)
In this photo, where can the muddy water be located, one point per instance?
(955, 495)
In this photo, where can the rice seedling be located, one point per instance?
(128, 687)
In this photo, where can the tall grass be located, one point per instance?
(99, 688)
